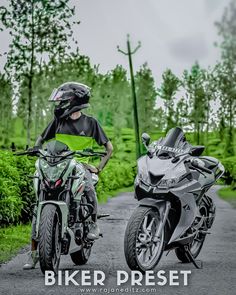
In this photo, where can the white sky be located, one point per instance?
(174, 33)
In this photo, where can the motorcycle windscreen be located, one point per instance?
(165, 167)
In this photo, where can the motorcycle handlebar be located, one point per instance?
(81, 153)
(26, 153)
(196, 164)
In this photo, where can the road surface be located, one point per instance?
(218, 276)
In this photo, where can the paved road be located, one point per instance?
(218, 276)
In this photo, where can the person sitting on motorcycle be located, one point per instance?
(78, 131)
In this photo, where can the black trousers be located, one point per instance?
(91, 195)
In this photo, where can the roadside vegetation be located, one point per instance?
(202, 101)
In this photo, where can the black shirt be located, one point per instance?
(76, 134)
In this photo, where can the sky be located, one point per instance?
(173, 33)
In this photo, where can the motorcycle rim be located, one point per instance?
(148, 247)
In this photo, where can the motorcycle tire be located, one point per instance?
(49, 239)
(196, 248)
(133, 234)
(81, 257)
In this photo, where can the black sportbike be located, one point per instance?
(174, 209)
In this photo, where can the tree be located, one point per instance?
(193, 83)
(167, 92)
(40, 30)
(226, 73)
(146, 98)
(6, 109)
(181, 113)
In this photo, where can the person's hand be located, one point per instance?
(94, 169)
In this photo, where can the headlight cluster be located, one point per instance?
(52, 173)
(167, 183)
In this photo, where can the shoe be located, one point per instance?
(94, 232)
(33, 258)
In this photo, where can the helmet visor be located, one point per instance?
(58, 95)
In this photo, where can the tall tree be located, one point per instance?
(40, 29)
(227, 73)
(167, 92)
(6, 106)
(193, 84)
(146, 98)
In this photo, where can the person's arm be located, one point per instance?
(105, 159)
(39, 142)
(48, 133)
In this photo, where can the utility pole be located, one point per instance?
(136, 122)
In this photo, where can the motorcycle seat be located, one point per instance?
(209, 162)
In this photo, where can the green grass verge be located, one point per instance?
(229, 195)
(12, 239)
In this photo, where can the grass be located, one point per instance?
(229, 195)
(12, 239)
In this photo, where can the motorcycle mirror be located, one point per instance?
(146, 139)
(197, 150)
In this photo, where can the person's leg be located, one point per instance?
(92, 199)
(33, 254)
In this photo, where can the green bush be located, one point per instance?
(26, 167)
(230, 171)
(116, 175)
(10, 201)
(16, 189)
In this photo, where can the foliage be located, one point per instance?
(193, 83)
(40, 29)
(230, 171)
(227, 73)
(118, 174)
(10, 200)
(6, 106)
(228, 194)
(146, 98)
(12, 239)
(167, 92)
(26, 168)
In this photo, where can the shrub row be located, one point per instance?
(16, 188)
(230, 171)
(16, 193)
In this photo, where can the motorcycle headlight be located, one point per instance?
(168, 183)
(143, 175)
(52, 173)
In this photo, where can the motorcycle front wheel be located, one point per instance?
(49, 239)
(143, 249)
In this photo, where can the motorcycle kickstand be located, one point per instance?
(197, 264)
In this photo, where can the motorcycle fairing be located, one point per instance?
(189, 209)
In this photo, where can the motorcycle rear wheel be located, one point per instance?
(49, 239)
(81, 257)
(142, 250)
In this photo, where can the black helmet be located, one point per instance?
(72, 97)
